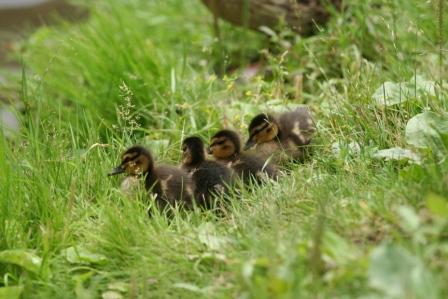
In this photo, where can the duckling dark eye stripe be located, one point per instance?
(259, 130)
(126, 160)
(217, 143)
(130, 156)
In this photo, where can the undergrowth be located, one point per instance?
(342, 225)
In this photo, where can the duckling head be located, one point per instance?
(262, 128)
(134, 161)
(193, 151)
(225, 144)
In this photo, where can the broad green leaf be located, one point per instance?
(423, 86)
(248, 270)
(118, 286)
(11, 292)
(398, 274)
(208, 237)
(209, 257)
(250, 266)
(410, 220)
(189, 286)
(338, 249)
(277, 286)
(80, 290)
(9, 123)
(352, 148)
(398, 154)
(253, 265)
(390, 93)
(111, 295)
(437, 204)
(23, 258)
(80, 255)
(425, 130)
(371, 296)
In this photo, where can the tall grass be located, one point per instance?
(144, 72)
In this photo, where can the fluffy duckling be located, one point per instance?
(285, 136)
(225, 146)
(171, 185)
(209, 177)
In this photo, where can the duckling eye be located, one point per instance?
(217, 143)
(269, 130)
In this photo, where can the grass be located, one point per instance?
(341, 225)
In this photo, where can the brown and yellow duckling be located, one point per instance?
(225, 146)
(171, 185)
(284, 137)
(210, 178)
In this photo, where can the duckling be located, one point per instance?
(171, 185)
(285, 137)
(209, 177)
(225, 146)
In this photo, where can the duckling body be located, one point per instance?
(226, 148)
(284, 137)
(210, 178)
(171, 186)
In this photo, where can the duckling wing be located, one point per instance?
(212, 173)
(174, 184)
(209, 179)
(266, 150)
(298, 126)
(250, 166)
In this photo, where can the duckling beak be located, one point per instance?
(116, 170)
(249, 144)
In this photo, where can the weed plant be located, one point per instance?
(341, 225)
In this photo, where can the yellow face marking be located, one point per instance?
(129, 156)
(218, 140)
(267, 134)
(296, 129)
(257, 128)
(310, 122)
(189, 191)
(186, 156)
(137, 165)
(222, 148)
